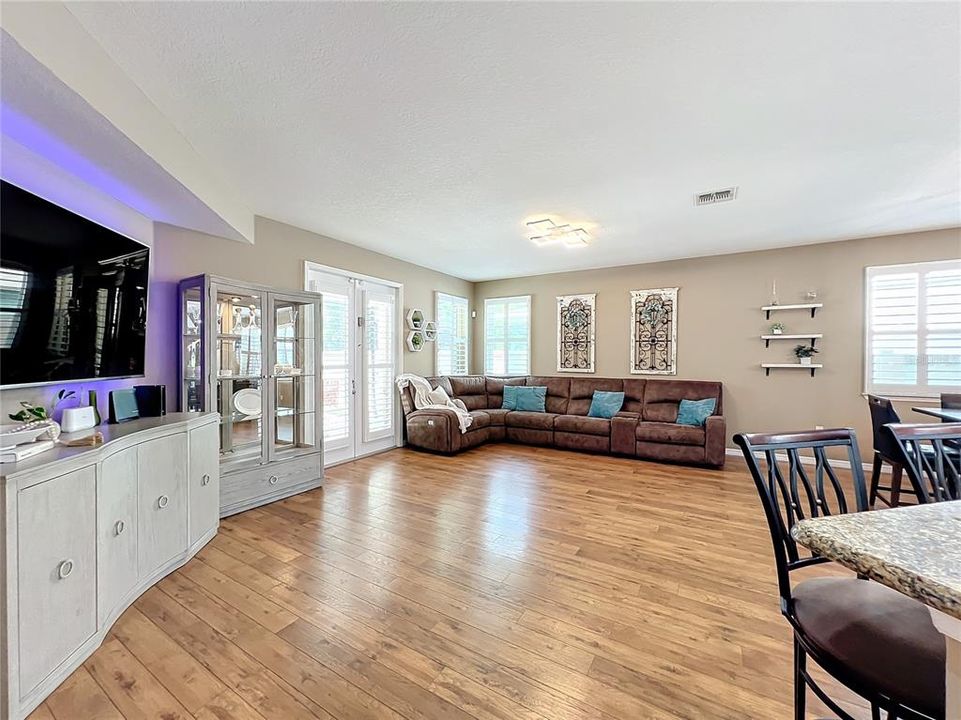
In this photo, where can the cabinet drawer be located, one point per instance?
(243, 489)
(116, 529)
(56, 571)
(162, 501)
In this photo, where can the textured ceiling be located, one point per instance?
(432, 131)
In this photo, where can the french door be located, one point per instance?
(360, 361)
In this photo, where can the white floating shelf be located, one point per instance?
(813, 307)
(790, 366)
(802, 336)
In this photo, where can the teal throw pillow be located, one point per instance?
(695, 412)
(531, 399)
(510, 397)
(605, 404)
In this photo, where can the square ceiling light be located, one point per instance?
(547, 232)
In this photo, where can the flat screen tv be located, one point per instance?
(73, 295)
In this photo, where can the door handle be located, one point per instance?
(162, 501)
(205, 480)
(119, 527)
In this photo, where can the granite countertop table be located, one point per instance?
(915, 550)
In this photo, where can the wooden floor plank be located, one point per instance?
(506, 583)
(80, 696)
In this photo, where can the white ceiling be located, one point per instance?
(432, 131)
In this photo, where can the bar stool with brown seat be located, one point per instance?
(885, 451)
(877, 642)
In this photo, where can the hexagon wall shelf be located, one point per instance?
(415, 319)
(430, 331)
(415, 341)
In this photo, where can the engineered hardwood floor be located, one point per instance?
(506, 583)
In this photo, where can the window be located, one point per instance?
(13, 293)
(60, 328)
(507, 335)
(913, 329)
(451, 347)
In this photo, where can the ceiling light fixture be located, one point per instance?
(547, 232)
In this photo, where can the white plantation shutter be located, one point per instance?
(336, 313)
(379, 366)
(507, 335)
(451, 347)
(913, 331)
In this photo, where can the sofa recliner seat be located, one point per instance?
(645, 427)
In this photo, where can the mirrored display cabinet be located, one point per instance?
(251, 353)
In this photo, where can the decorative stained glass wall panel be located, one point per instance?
(576, 320)
(654, 331)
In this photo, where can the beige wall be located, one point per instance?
(276, 259)
(719, 322)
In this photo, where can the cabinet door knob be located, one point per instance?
(162, 501)
(119, 527)
(272, 479)
(205, 480)
(64, 570)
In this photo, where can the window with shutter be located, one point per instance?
(507, 335)
(452, 346)
(913, 329)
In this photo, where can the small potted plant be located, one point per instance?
(804, 353)
(777, 328)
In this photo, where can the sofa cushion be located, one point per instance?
(633, 395)
(605, 404)
(581, 424)
(583, 389)
(669, 432)
(471, 390)
(530, 420)
(497, 415)
(495, 389)
(695, 412)
(558, 392)
(481, 419)
(532, 399)
(508, 397)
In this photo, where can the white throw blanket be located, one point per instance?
(427, 398)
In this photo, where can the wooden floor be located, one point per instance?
(507, 583)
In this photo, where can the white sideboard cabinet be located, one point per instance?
(86, 531)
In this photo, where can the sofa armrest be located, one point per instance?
(623, 429)
(715, 440)
(435, 430)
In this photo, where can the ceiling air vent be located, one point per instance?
(716, 196)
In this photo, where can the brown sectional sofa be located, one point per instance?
(644, 428)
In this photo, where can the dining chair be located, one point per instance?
(951, 401)
(930, 455)
(877, 642)
(885, 451)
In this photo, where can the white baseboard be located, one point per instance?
(808, 460)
